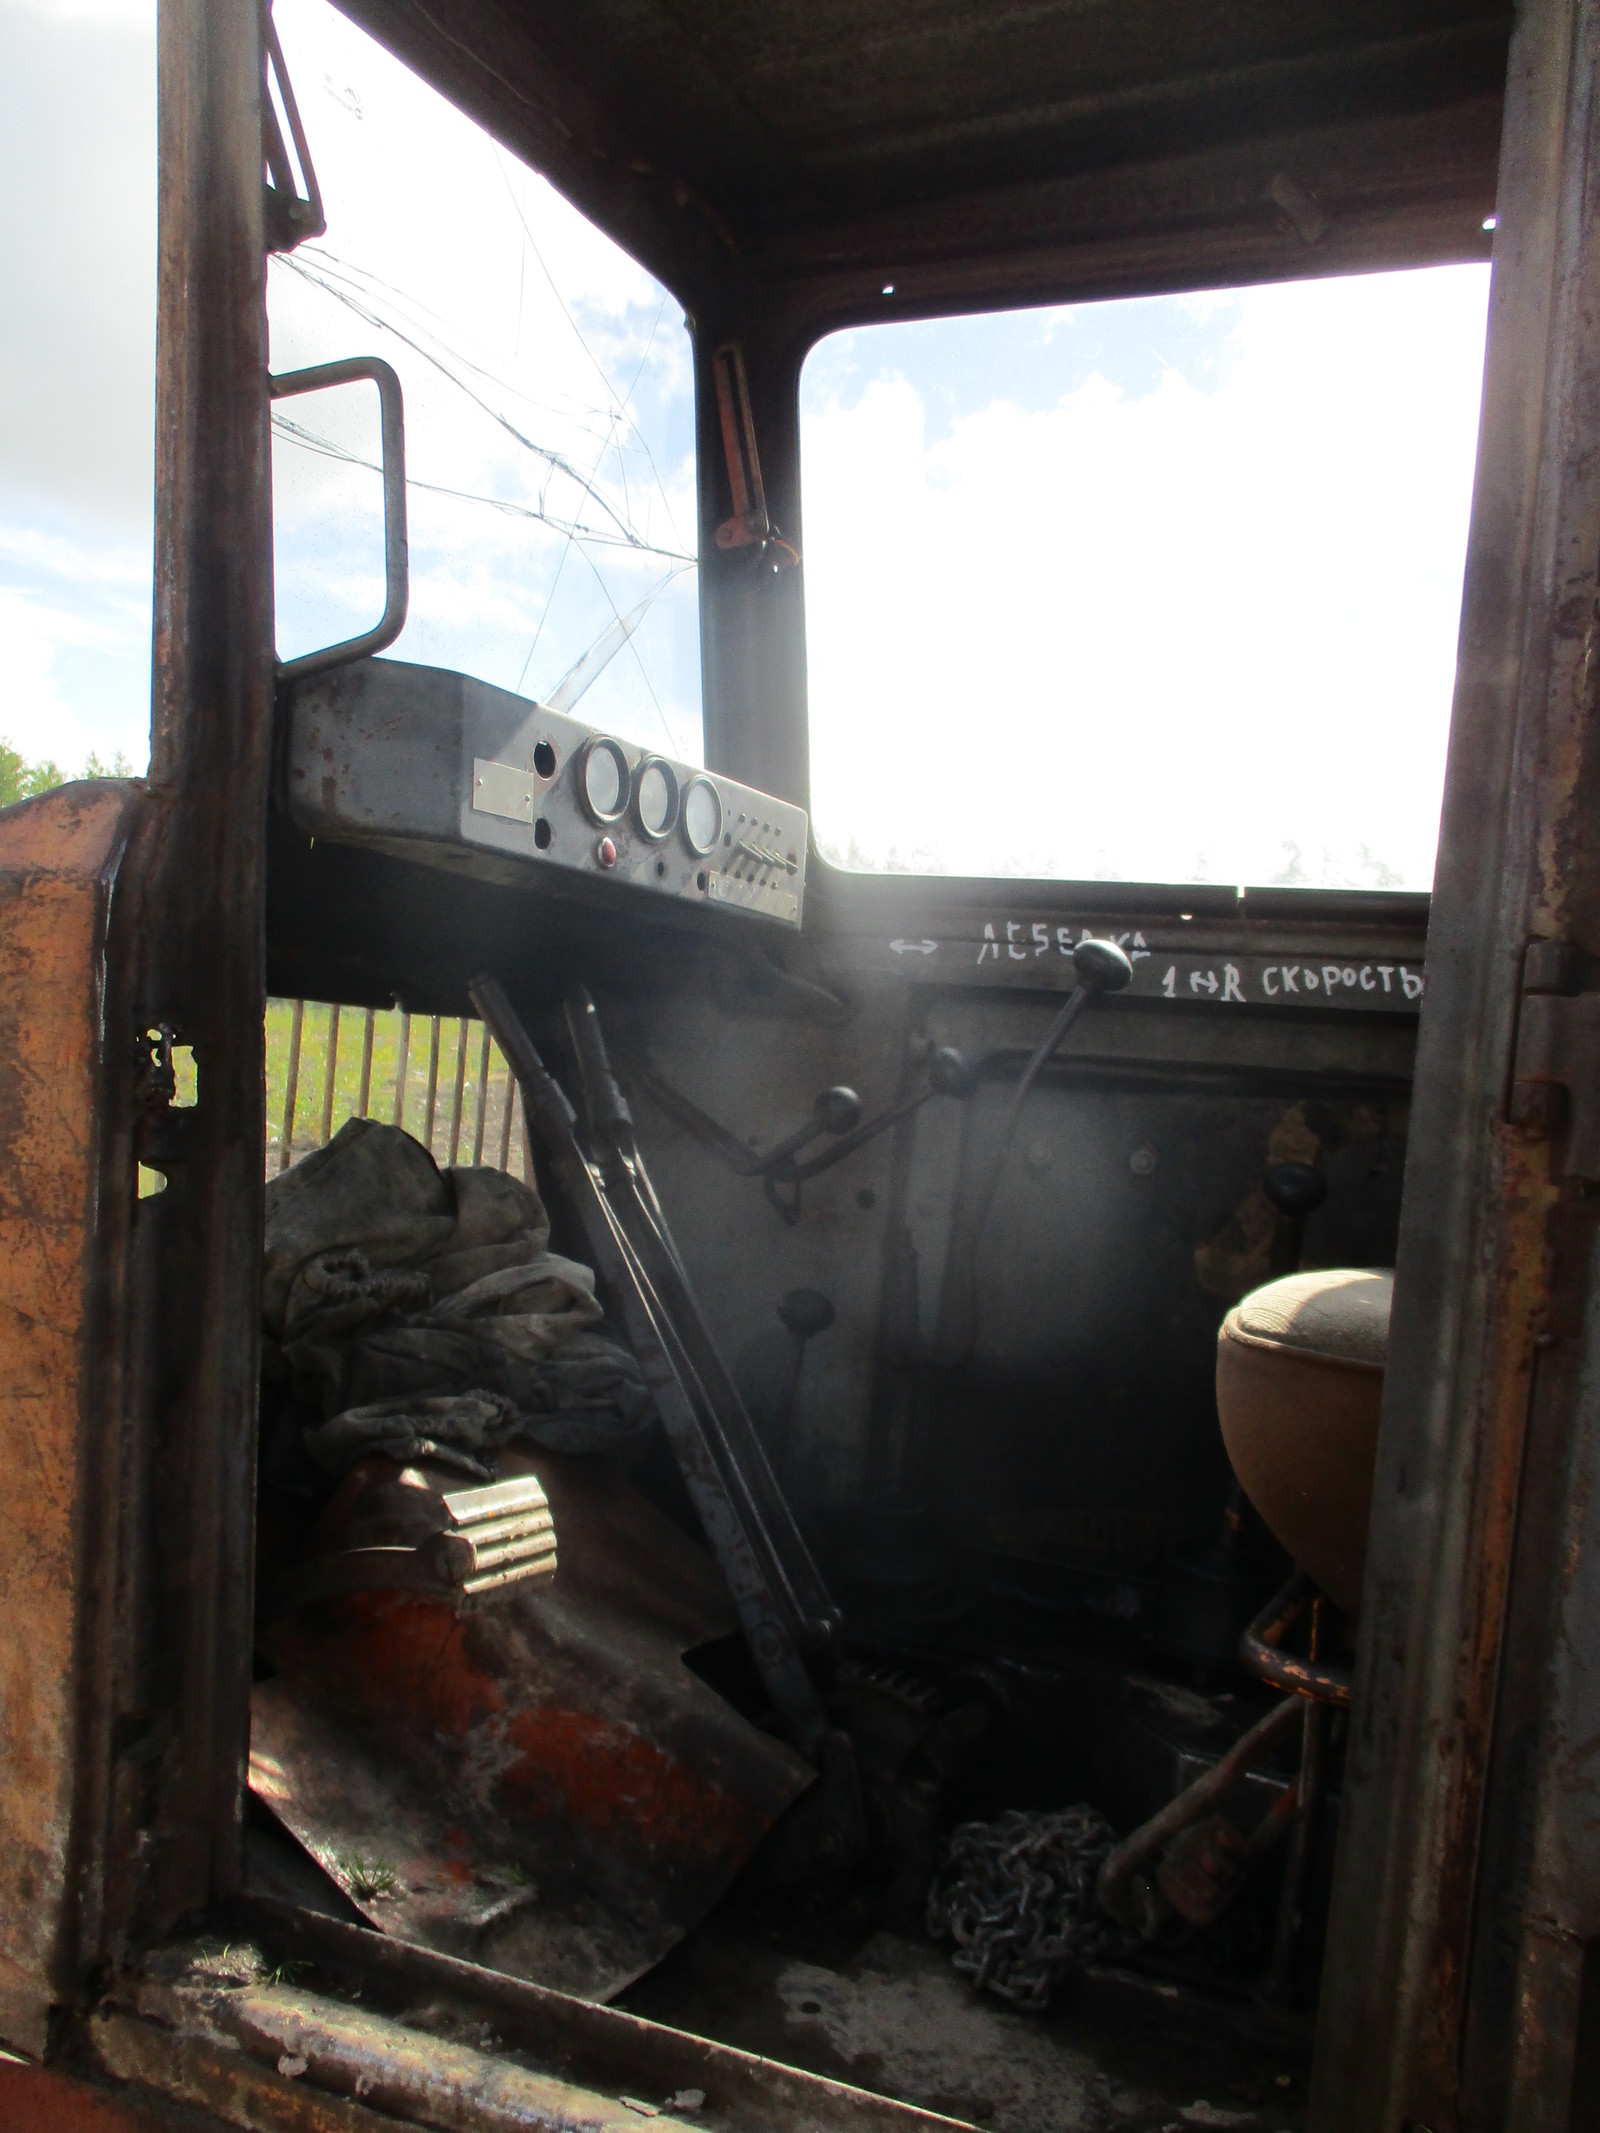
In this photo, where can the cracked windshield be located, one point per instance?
(1158, 590)
(548, 408)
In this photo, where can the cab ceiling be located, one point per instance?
(805, 152)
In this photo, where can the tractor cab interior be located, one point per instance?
(955, 1719)
(830, 1226)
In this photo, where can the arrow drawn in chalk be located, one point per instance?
(913, 947)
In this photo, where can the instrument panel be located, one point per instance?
(435, 765)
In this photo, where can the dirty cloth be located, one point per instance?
(420, 1311)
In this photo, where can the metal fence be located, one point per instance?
(444, 1080)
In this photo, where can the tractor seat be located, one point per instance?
(1299, 1383)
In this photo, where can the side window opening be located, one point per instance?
(1160, 589)
(548, 385)
(76, 467)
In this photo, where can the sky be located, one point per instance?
(1164, 589)
(77, 351)
(512, 323)
(1155, 590)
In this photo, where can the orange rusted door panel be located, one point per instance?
(59, 858)
(34, 2098)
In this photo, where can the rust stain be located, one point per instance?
(1527, 1194)
(56, 853)
(37, 2096)
(419, 1663)
(577, 1766)
(418, 1659)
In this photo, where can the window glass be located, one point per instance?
(549, 408)
(1163, 589)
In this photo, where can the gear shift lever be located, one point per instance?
(1100, 967)
(1294, 1190)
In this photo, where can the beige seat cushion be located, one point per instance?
(1299, 1384)
(1339, 1312)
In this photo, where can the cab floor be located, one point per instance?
(891, 2015)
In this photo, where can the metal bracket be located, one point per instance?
(1556, 1071)
(749, 527)
(290, 215)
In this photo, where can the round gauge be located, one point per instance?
(655, 798)
(702, 816)
(604, 778)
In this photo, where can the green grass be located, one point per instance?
(369, 1877)
(311, 1081)
(289, 1972)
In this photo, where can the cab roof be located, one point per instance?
(970, 152)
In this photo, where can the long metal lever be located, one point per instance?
(776, 1601)
(1100, 967)
(727, 1422)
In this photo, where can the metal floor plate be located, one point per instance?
(542, 1787)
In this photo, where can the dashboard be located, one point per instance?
(434, 765)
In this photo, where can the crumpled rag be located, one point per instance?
(421, 1311)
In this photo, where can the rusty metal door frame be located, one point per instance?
(1491, 1351)
(191, 946)
(131, 922)
(1453, 1977)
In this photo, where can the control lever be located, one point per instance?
(1099, 967)
(783, 1607)
(1294, 1190)
(949, 1074)
(805, 1313)
(836, 1111)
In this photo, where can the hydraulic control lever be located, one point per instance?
(949, 1074)
(783, 1606)
(804, 1314)
(836, 1111)
(784, 1169)
(1099, 967)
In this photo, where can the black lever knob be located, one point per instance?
(1295, 1189)
(1101, 966)
(838, 1110)
(951, 1072)
(805, 1313)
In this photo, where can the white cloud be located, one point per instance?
(77, 146)
(429, 227)
(77, 262)
(426, 223)
(1154, 633)
(57, 555)
(35, 714)
(140, 14)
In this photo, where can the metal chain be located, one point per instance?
(1017, 1897)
